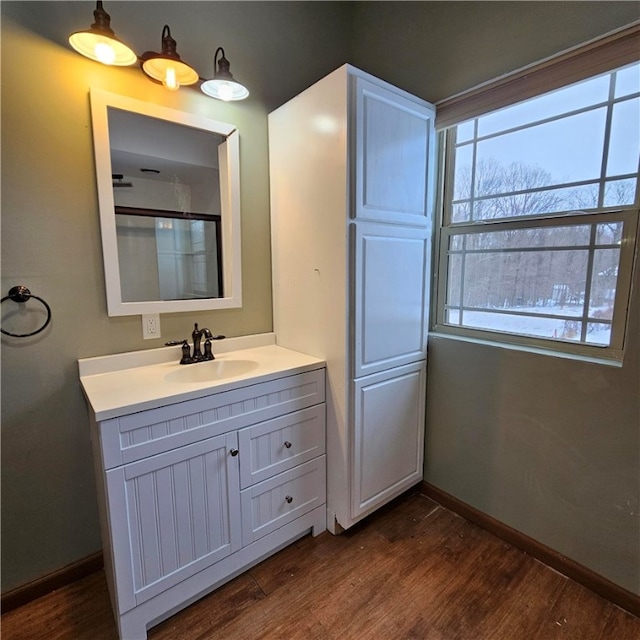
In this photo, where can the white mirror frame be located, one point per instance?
(229, 194)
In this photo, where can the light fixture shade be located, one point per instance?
(167, 67)
(99, 42)
(223, 86)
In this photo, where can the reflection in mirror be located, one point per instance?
(166, 191)
(168, 256)
(168, 185)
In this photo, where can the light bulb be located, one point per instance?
(170, 81)
(225, 91)
(104, 52)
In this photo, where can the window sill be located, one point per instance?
(614, 358)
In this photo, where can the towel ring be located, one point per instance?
(22, 294)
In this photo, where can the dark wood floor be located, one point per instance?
(412, 571)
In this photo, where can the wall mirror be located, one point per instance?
(169, 198)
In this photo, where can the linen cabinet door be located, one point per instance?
(388, 438)
(394, 155)
(390, 296)
(173, 515)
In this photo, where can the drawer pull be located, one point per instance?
(234, 452)
(289, 499)
(287, 444)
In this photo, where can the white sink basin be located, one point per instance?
(211, 371)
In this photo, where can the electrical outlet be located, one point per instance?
(150, 326)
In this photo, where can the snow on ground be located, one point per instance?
(534, 325)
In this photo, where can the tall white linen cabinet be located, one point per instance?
(352, 181)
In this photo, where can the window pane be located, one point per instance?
(599, 333)
(548, 105)
(609, 233)
(603, 283)
(565, 150)
(628, 81)
(620, 192)
(532, 203)
(462, 177)
(565, 236)
(549, 282)
(454, 280)
(624, 145)
(539, 327)
(461, 212)
(465, 131)
(457, 242)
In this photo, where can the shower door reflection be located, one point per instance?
(170, 254)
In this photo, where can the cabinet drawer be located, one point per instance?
(147, 433)
(272, 447)
(275, 502)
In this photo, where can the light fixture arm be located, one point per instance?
(102, 20)
(169, 44)
(221, 65)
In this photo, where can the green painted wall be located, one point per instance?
(548, 446)
(51, 236)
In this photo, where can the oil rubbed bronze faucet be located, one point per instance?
(198, 356)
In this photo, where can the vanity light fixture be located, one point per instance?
(223, 86)
(99, 42)
(167, 67)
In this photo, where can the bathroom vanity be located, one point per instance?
(202, 470)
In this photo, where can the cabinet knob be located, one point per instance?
(234, 452)
(287, 444)
(289, 499)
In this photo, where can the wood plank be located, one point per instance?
(570, 568)
(229, 606)
(566, 617)
(412, 571)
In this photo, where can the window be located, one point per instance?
(540, 219)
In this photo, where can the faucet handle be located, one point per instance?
(208, 354)
(186, 353)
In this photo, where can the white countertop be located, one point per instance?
(113, 391)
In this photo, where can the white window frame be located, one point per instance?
(612, 352)
(628, 215)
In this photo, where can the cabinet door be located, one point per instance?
(390, 296)
(394, 155)
(173, 515)
(387, 453)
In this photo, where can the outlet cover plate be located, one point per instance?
(150, 326)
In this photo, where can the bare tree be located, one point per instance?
(506, 272)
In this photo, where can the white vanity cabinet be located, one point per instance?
(352, 188)
(194, 492)
(172, 515)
